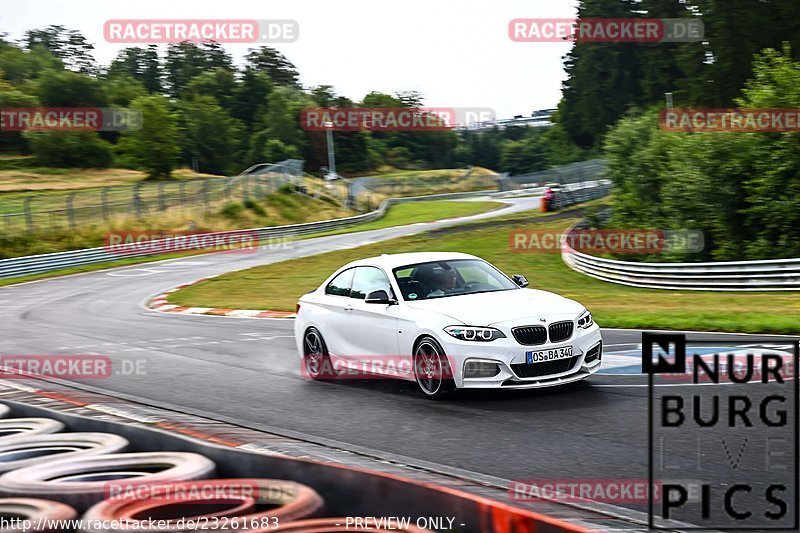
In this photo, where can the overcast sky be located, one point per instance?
(456, 53)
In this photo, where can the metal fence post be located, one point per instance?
(206, 199)
(245, 191)
(182, 193)
(137, 199)
(26, 208)
(161, 204)
(104, 203)
(70, 210)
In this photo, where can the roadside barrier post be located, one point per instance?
(26, 208)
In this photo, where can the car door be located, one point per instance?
(372, 335)
(335, 305)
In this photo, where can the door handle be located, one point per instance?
(348, 307)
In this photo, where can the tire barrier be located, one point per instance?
(21, 452)
(335, 525)
(213, 504)
(4, 411)
(87, 480)
(11, 428)
(127, 490)
(16, 510)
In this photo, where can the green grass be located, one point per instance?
(274, 210)
(399, 214)
(424, 211)
(278, 286)
(428, 174)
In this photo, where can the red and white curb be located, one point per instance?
(160, 303)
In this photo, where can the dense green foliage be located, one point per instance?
(604, 80)
(201, 110)
(741, 189)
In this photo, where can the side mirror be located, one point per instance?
(520, 280)
(379, 297)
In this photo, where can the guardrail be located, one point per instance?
(38, 264)
(99, 205)
(767, 275)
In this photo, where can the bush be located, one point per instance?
(232, 210)
(255, 207)
(82, 149)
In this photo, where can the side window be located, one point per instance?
(368, 279)
(340, 285)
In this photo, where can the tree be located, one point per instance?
(218, 83)
(154, 148)
(70, 46)
(84, 149)
(68, 88)
(274, 64)
(184, 61)
(211, 135)
(13, 141)
(141, 64)
(250, 99)
(121, 90)
(526, 155)
(275, 151)
(20, 66)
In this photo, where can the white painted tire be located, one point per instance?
(4, 410)
(22, 452)
(11, 428)
(35, 510)
(87, 480)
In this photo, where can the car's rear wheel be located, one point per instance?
(432, 370)
(316, 360)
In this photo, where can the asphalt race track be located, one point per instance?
(247, 370)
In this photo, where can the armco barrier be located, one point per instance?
(38, 264)
(767, 275)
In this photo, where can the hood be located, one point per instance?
(485, 309)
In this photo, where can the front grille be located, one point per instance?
(545, 368)
(594, 353)
(561, 331)
(530, 335)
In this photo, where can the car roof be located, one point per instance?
(392, 261)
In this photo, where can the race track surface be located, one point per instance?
(247, 370)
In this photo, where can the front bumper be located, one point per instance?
(510, 357)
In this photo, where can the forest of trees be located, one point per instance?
(197, 105)
(741, 189)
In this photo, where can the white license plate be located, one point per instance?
(542, 356)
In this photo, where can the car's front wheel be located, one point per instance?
(316, 362)
(432, 370)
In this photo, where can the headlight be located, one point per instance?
(585, 320)
(474, 333)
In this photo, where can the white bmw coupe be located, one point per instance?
(445, 320)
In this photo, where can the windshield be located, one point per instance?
(439, 279)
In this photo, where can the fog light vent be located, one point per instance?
(480, 369)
